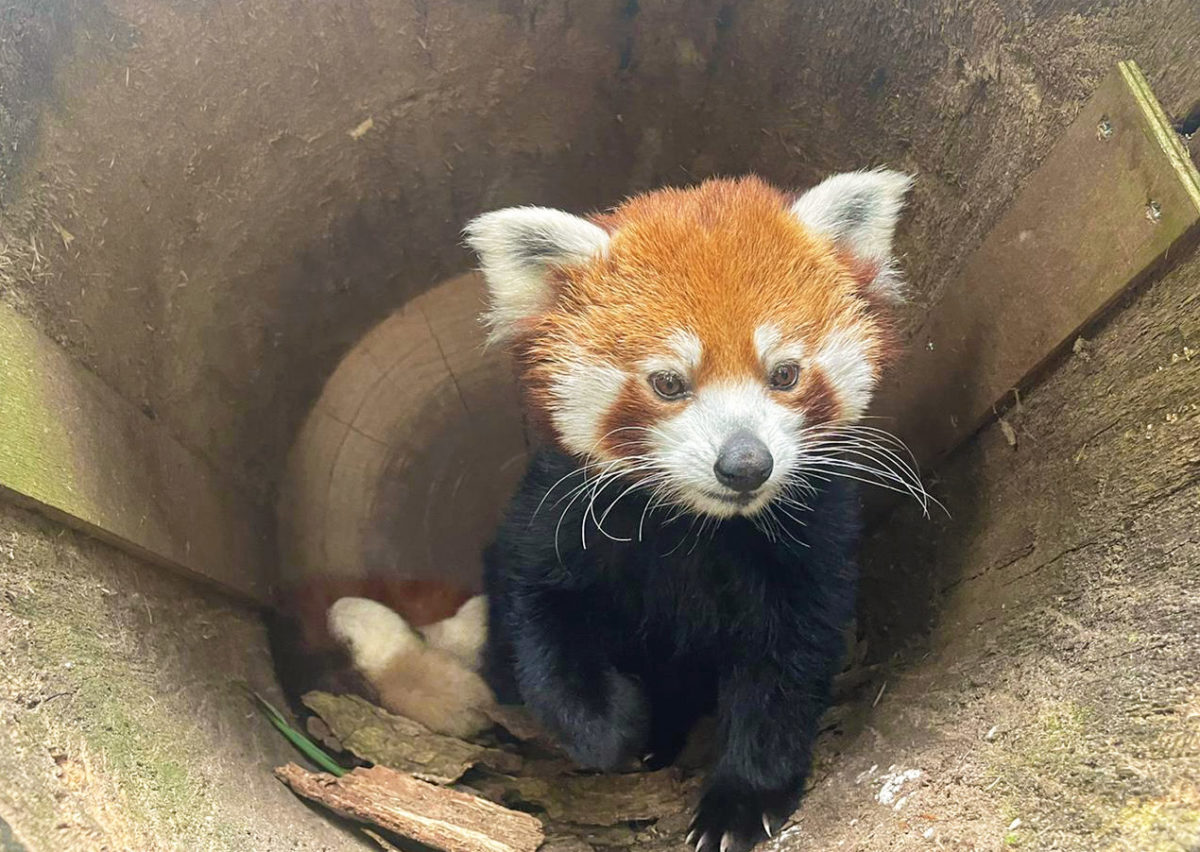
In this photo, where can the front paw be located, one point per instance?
(733, 820)
(610, 740)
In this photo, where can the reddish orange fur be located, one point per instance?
(719, 260)
(817, 398)
(633, 407)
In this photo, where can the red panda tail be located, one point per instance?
(308, 657)
(429, 677)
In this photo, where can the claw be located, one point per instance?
(726, 841)
(767, 826)
(700, 843)
(649, 756)
(690, 840)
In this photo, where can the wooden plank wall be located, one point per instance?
(1116, 197)
(73, 449)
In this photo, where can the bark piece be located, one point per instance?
(436, 816)
(519, 722)
(598, 800)
(376, 735)
(319, 731)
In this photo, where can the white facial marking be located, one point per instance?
(517, 248)
(687, 445)
(686, 346)
(684, 351)
(849, 371)
(372, 633)
(773, 350)
(766, 340)
(583, 393)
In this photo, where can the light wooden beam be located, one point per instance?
(73, 449)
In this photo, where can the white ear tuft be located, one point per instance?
(859, 211)
(517, 248)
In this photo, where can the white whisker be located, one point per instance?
(865, 454)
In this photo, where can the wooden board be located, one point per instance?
(1109, 203)
(75, 450)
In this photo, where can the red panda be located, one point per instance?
(696, 362)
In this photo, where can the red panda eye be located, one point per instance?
(668, 385)
(785, 376)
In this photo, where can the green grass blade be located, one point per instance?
(310, 749)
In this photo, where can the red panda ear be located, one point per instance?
(858, 211)
(518, 250)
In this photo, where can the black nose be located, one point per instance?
(744, 463)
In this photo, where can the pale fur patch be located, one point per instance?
(850, 373)
(463, 634)
(688, 348)
(684, 350)
(773, 350)
(583, 392)
(517, 249)
(429, 685)
(858, 211)
(436, 690)
(371, 632)
(766, 339)
(687, 445)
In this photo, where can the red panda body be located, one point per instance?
(683, 541)
(696, 361)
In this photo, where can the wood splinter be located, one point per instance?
(436, 816)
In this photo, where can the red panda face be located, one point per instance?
(698, 341)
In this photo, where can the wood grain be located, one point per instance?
(1106, 207)
(73, 449)
(436, 816)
